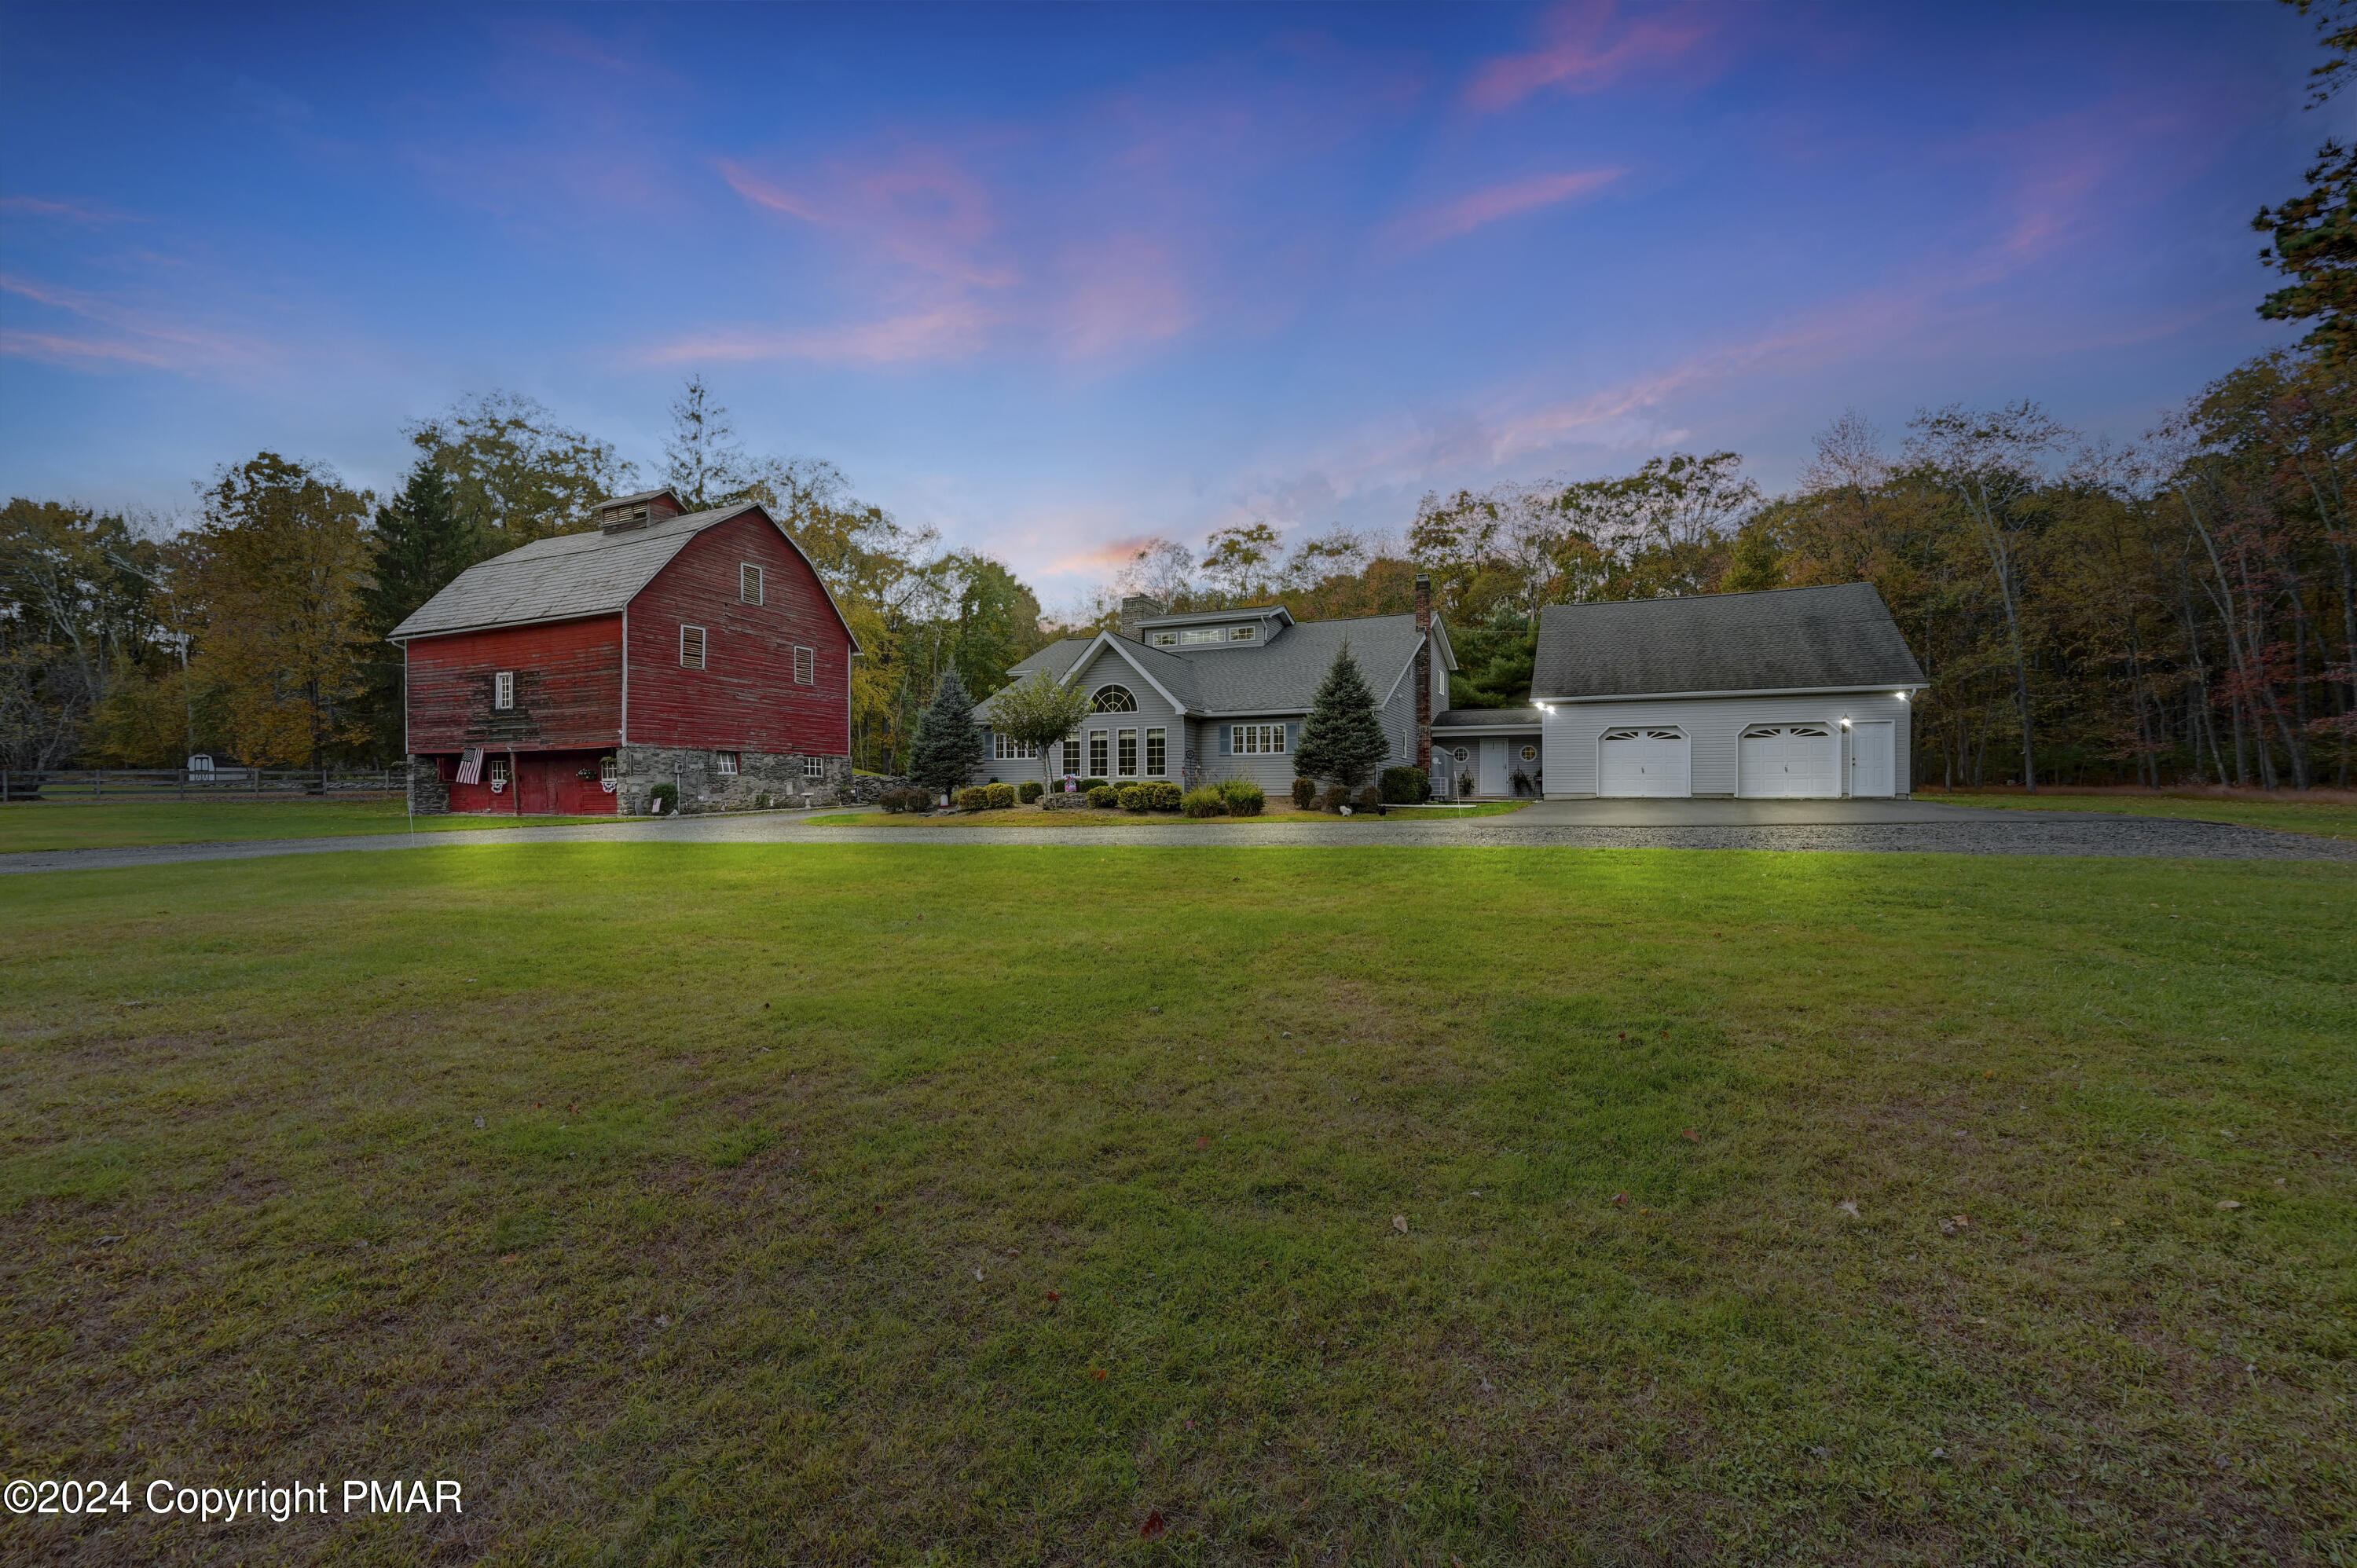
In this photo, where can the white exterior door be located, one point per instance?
(1642, 762)
(1493, 766)
(1788, 762)
(1872, 767)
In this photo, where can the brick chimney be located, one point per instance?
(1135, 608)
(1423, 672)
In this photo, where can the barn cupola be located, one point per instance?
(625, 512)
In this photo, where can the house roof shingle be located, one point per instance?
(1784, 639)
(1279, 676)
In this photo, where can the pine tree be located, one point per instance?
(1343, 738)
(947, 745)
(419, 543)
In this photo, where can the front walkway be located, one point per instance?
(1843, 826)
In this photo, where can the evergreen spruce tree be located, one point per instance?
(419, 543)
(947, 745)
(1343, 738)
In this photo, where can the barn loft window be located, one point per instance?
(749, 584)
(504, 689)
(691, 648)
(806, 667)
(814, 766)
(726, 761)
(1116, 699)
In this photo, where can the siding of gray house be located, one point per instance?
(1109, 669)
(1273, 773)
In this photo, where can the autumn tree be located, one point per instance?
(516, 475)
(278, 562)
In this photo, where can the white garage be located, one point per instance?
(1644, 760)
(1791, 693)
(1789, 762)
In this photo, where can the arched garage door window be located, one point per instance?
(1788, 762)
(1643, 760)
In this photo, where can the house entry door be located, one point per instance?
(1871, 770)
(1493, 766)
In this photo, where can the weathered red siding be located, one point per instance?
(745, 698)
(568, 687)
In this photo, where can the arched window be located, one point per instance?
(1114, 700)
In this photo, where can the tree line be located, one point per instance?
(258, 631)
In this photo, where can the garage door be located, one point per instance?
(1643, 762)
(1787, 760)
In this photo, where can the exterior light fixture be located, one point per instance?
(1845, 720)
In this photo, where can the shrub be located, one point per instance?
(973, 797)
(1131, 797)
(1406, 785)
(1370, 800)
(999, 797)
(1203, 803)
(892, 801)
(1161, 796)
(906, 798)
(1090, 784)
(662, 800)
(1305, 794)
(1105, 797)
(1334, 800)
(1029, 790)
(1244, 798)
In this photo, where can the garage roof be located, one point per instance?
(1815, 640)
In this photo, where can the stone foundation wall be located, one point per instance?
(428, 796)
(702, 787)
(867, 789)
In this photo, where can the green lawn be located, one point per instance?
(116, 824)
(895, 1203)
(2327, 818)
(1032, 817)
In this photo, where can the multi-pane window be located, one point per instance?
(691, 648)
(1244, 633)
(748, 582)
(498, 774)
(726, 761)
(1099, 763)
(1125, 754)
(1116, 699)
(1006, 748)
(504, 689)
(1156, 754)
(1260, 740)
(1165, 639)
(1073, 756)
(1201, 634)
(606, 776)
(806, 667)
(814, 766)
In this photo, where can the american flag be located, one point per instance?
(471, 766)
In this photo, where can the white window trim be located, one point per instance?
(1100, 740)
(726, 763)
(814, 767)
(1006, 748)
(495, 774)
(1159, 737)
(503, 689)
(703, 647)
(805, 666)
(1098, 697)
(1118, 770)
(1256, 740)
(1243, 634)
(749, 572)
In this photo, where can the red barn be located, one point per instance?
(574, 674)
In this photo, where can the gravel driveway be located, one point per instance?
(1926, 829)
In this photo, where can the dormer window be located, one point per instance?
(1243, 633)
(1165, 639)
(1201, 634)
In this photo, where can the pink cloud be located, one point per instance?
(135, 336)
(955, 330)
(918, 208)
(1583, 52)
(1122, 292)
(69, 211)
(1467, 213)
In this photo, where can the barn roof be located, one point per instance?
(572, 576)
(1830, 639)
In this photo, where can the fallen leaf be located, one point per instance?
(1399, 1223)
(1690, 1135)
(1849, 1208)
(1153, 1525)
(1053, 1297)
(2228, 1203)
(1099, 1373)
(1202, 1142)
(1621, 1198)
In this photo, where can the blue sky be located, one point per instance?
(1054, 279)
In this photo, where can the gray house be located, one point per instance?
(1214, 694)
(1794, 692)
